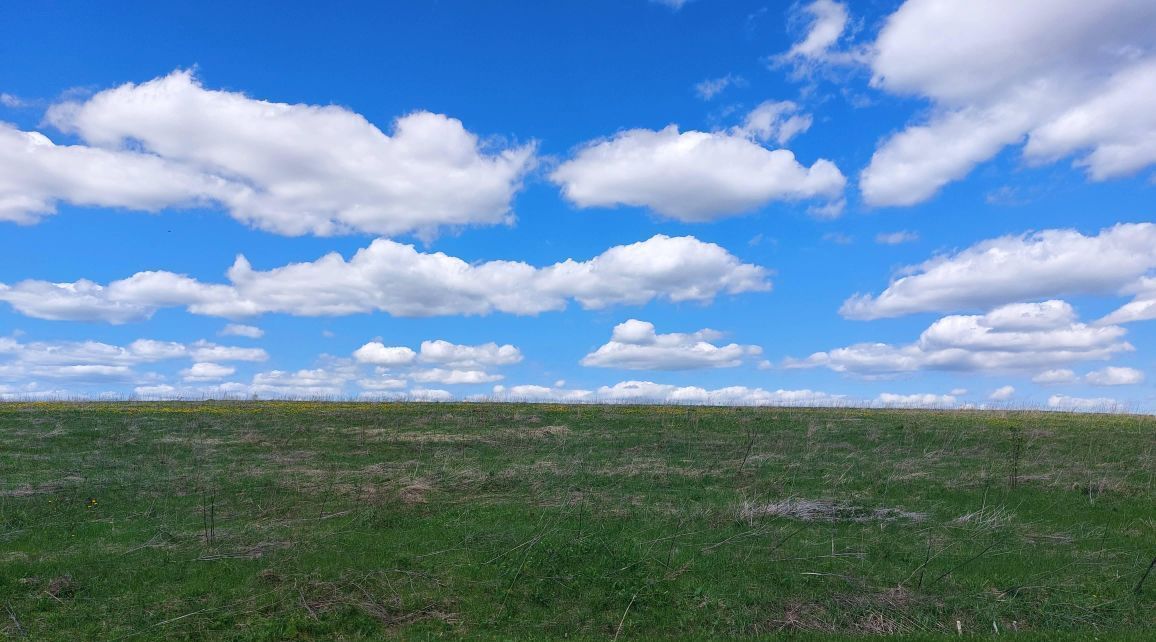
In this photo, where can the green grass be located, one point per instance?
(319, 521)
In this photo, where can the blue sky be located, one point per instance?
(925, 202)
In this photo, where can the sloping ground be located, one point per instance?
(356, 521)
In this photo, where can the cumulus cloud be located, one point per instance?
(1063, 77)
(827, 22)
(206, 351)
(1114, 376)
(918, 400)
(1013, 337)
(93, 361)
(395, 278)
(1055, 375)
(1003, 393)
(240, 330)
(377, 353)
(1014, 268)
(289, 169)
(318, 382)
(456, 364)
(158, 391)
(693, 176)
(650, 392)
(779, 121)
(1084, 404)
(204, 371)
(1140, 308)
(36, 174)
(467, 356)
(634, 345)
(454, 376)
(429, 394)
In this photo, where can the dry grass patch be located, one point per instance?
(821, 510)
(45, 488)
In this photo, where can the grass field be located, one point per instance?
(317, 521)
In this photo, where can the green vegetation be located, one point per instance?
(318, 521)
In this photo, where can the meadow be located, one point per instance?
(347, 521)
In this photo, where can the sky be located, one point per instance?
(941, 203)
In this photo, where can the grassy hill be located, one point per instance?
(317, 521)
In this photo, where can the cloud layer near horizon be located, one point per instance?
(397, 279)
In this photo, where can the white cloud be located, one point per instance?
(290, 169)
(429, 394)
(1003, 393)
(466, 356)
(1114, 376)
(381, 383)
(691, 176)
(206, 351)
(712, 87)
(673, 4)
(1056, 375)
(1014, 268)
(650, 392)
(397, 279)
(307, 383)
(926, 400)
(733, 395)
(826, 22)
(896, 238)
(204, 371)
(90, 361)
(1066, 77)
(36, 173)
(1095, 404)
(1013, 337)
(239, 330)
(634, 345)
(463, 364)
(377, 353)
(529, 392)
(159, 391)
(1140, 308)
(779, 121)
(454, 376)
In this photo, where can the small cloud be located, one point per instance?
(712, 87)
(1002, 394)
(925, 400)
(240, 330)
(1095, 404)
(829, 210)
(1114, 376)
(1059, 375)
(672, 4)
(634, 345)
(896, 238)
(838, 238)
(779, 121)
(205, 371)
(1008, 196)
